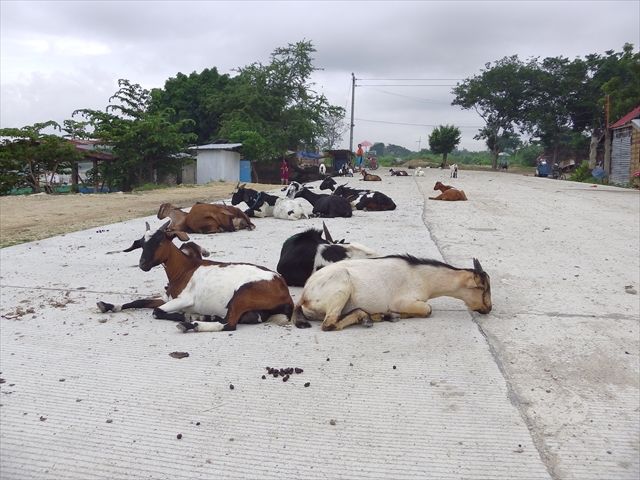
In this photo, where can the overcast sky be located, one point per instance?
(57, 57)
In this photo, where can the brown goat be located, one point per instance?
(449, 193)
(218, 295)
(368, 177)
(206, 218)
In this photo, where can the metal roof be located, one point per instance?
(218, 146)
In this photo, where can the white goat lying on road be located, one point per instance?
(396, 286)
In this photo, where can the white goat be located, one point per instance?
(396, 286)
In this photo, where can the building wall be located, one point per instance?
(215, 165)
(621, 156)
(635, 150)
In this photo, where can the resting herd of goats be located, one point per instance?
(341, 280)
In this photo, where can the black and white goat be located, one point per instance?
(262, 204)
(304, 253)
(360, 199)
(218, 295)
(327, 206)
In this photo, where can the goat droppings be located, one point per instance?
(179, 436)
(307, 384)
(231, 387)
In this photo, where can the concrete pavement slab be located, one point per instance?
(91, 395)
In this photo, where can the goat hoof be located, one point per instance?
(302, 324)
(329, 328)
(184, 327)
(367, 322)
(105, 307)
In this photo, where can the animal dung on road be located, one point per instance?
(179, 354)
(285, 373)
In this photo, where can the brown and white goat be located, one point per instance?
(221, 294)
(369, 177)
(386, 288)
(449, 193)
(206, 218)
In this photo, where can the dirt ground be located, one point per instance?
(26, 218)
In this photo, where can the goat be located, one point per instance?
(454, 170)
(360, 199)
(398, 173)
(307, 252)
(387, 288)
(449, 193)
(419, 172)
(327, 206)
(369, 177)
(220, 294)
(262, 204)
(206, 218)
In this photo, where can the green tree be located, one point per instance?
(32, 158)
(496, 94)
(278, 104)
(147, 144)
(444, 139)
(379, 148)
(202, 97)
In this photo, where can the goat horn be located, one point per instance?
(165, 226)
(477, 268)
(147, 225)
(327, 235)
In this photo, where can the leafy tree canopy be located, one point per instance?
(145, 142)
(444, 139)
(30, 157)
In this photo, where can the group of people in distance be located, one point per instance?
(346, 170)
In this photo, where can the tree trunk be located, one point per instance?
(494, 159)
(444, 160)
(607, 153)
(593, 149)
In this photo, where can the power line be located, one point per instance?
(408, 85)
(410, 79)
(415, 98)
(415, 124)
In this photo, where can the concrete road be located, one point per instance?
(546, 386)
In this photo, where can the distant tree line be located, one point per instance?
(268, 108)
(559, 103)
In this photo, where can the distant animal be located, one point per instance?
(398, 173)
(322, 169)
(419, 172)
(387, 288)
(360, 199)
(206, 218)
(203, 295)
(262, 204)
(449, 193)
(369, 177)
(327, 206)
(307, 252)
(453, 170)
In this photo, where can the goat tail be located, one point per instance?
(298, 318)
(464, 196)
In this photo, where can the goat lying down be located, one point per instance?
(449, 193)
(386, 288)
(218, 295)
(206, 218)
(307, 252)
(262, 204)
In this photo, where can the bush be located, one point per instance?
(582, 174)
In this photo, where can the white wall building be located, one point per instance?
(217, 161)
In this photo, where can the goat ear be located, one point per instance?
(147, 227)
(182, 236)
(327, 235)
(135, 245)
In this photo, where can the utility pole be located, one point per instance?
(419, 142)
(353, 98)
